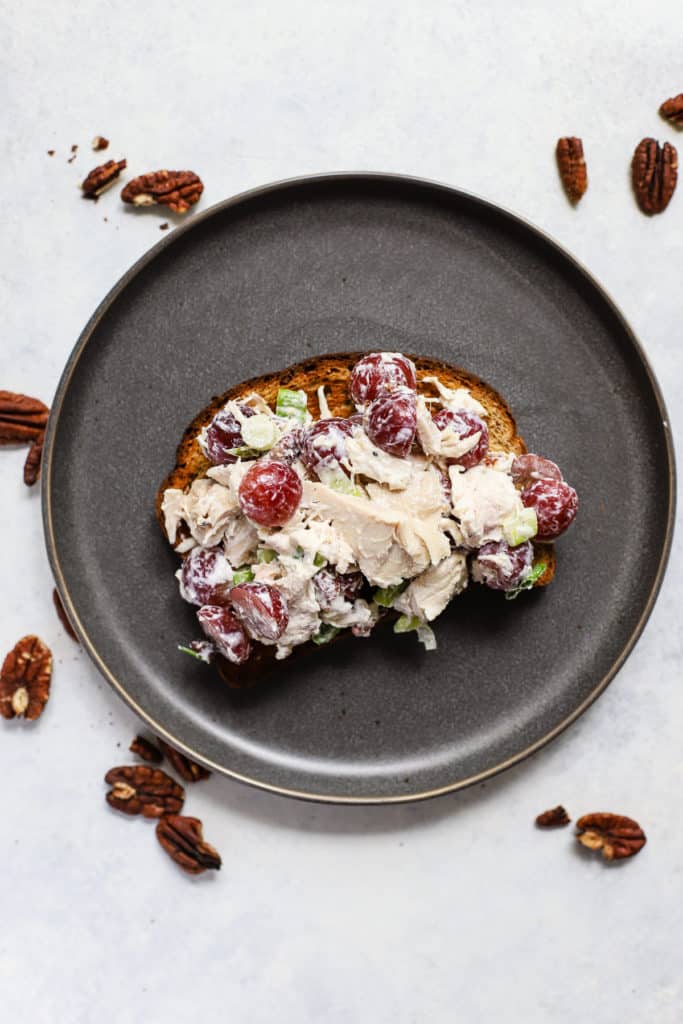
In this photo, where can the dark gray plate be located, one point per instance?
(337, 263)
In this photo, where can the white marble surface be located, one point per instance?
(454, 910)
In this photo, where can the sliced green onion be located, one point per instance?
(202, 650)
(244, 453)
(386, 596)
(425, 634)
(259, 432)
(319, 560)
(265, 555)
(244, 575)
(293, 404)
(342, 485)
(325, 634)
(528, 582)
(407, 623)
(188, 650)
(520, 527)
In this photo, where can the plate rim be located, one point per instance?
(349, 178)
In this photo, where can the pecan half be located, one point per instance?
(33, 461)
(614, 834)
(145, 749)
(572, 167)
(672, 110)
(25, 679)
(183, 840)
(654, 171)
(63, 617)
(554, 818)
(179, 190)
(187, 769)
(21, 418)
(101, 178)
(139, 789)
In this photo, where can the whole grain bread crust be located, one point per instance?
(334, 371)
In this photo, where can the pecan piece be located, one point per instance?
(179, 190)
(672, 110)
(139, 789)
(33, 461)
(21, 418)
(614, 834)
(25, 679)
(147, 750)
(63, 617)
(554, 818)
(183, 840)
(187, 769)
(101, 178)
(99, 143)
(654, 171)
(572, 167)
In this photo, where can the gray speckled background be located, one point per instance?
(455, 907)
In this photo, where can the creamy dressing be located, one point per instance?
(325, 413)
(219, 572)
(499, 559)
(456, 399)
(206, 508)
(363, 458)
(399, 527)
(430, 592)
(240, 540)
(445, 444)
(481, 499)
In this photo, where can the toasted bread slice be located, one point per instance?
(334, 372)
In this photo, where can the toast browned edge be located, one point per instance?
(333, 371)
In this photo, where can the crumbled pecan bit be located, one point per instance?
(654, 171)
(672, 110)
(50, 152)
(33, 461)
(179, 190)
(99, 143)
(63, 617)
(74, 151)
(25, 679)
(140, 789)
(187, 769)
(22, 418)
(183, 840)
(614, 834)
(572, 167)
(147, 750)
(554, 818)
(164, 226)
(102, 178)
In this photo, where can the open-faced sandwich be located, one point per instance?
(346, 489)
